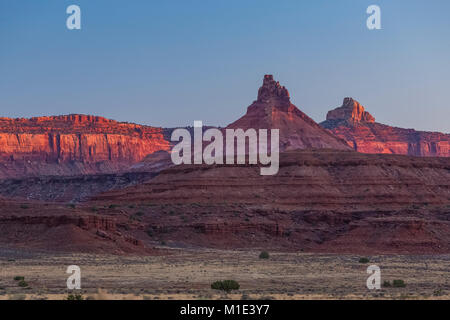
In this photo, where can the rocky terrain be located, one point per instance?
(274, 110)
(119, 192)
(320, 201)
(73, 145)
(48, 227)
(358, 127)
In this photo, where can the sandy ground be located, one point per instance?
(188, 274)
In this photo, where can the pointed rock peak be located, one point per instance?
(272, 90)
(351, 111)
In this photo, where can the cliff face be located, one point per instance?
(274, 110)
(358, 127)
(73, 144)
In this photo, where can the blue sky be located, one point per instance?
(168, 63)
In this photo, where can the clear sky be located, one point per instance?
(168, 63)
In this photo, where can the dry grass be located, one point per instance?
(188, 274)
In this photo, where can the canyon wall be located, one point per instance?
(73, 144)
(359, 129)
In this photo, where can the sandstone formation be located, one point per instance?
(320, 201)
(73, 144)
(325, 198)
(356, 126)
(69, 189)
(351, 111)
(48, 227)
(273, 110)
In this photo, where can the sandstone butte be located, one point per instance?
(358, 127)
(274, 110)
(74, 144)
(321, 200)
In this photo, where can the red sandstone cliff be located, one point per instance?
(73, 144)
(358, 127)
(274, 110)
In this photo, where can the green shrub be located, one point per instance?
(71, 205)
(225, 285)
(24, 206)
(438, 293)
(264, 255)
(19, 278)
(23, 284)
(386, 284)
(113, 206)
(398, 283)
(364, 260)
(150, 233)
(140, 213)
(75, 297)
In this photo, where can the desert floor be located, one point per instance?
(188, 274)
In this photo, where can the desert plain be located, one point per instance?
(188, 274)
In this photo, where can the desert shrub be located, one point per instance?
(438, 293)
(23, 284)
(264, 255)
(386, 284)
(19, 278)
(71, 205)
(150, 232)
(364, 260)
(140, 213)
(135, 217)
(74, 297)
(225, 285)
(24, 206)
(113, 206)
(94, 209)
(398, 283)
(245, 296)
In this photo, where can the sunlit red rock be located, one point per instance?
(359, 129)
(274, 110)
(73, 144)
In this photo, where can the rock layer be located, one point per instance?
(320, 201)
(359, 129)
(351, 111)
(273, 110)
(43, 226)
(73, 144)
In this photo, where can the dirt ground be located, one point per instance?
(188, 274)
